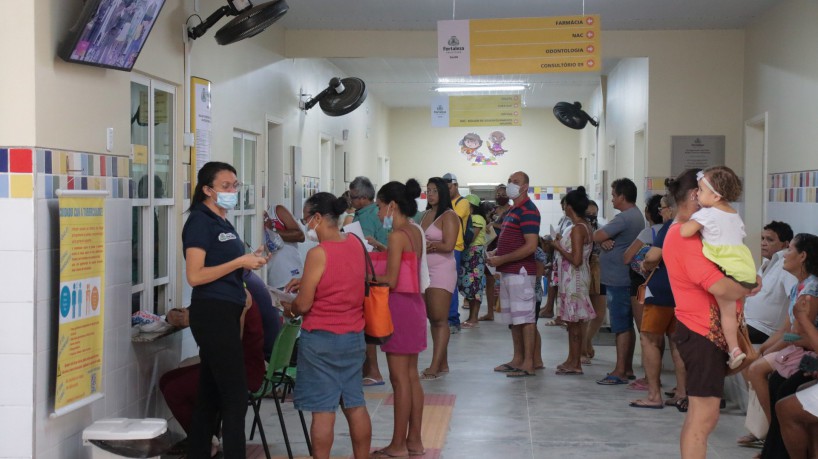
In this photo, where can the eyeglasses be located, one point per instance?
(353, 197)
(226, 186)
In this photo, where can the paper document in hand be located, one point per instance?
(492, 270)
(281, 295)
(553, 232)
(355, 228)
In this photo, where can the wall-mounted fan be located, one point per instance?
(341, 96)
(249, 21)
(573, 116)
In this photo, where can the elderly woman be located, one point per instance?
(695, 280)
(801, 260)
(331, 347)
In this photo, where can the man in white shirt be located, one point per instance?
(766, 311)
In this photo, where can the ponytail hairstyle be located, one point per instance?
(807, 243)
(205, 178)
(402, 195)
(652, 209)
(326, 204)
(577, 200)
(677, 188)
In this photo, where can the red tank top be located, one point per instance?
(338, 306)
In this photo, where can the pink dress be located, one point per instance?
(409, 316)
(575, 281)
(442, 267)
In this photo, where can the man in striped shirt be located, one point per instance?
(514, 259)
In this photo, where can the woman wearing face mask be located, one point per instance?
(396, 202)
(331, 347)
(215, 262)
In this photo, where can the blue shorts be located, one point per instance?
(619, 308)
(329, 371)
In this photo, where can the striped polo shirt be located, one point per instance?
(522, 219)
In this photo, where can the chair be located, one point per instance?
(279, 375)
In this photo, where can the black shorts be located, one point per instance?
(756, 336)
(705, 363)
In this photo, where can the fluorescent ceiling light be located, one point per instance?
(481, 88)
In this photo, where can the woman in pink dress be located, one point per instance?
(441, 225)
(575, 278)
(396, 202)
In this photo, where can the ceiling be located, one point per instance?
(408, 82)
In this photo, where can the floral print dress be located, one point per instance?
(574, 282)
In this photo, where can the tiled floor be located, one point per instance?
(546, 416)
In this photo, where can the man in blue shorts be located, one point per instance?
(615, 238)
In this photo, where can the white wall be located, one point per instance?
(781, 78)
(542, 147)
(17, 90)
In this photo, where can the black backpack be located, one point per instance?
(468, 230)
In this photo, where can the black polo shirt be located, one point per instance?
(217, 237)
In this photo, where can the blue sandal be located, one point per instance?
(612, 380)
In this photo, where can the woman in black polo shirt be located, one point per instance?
(215, 260)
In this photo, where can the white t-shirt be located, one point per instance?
(647, 234)
(766, 310)
(720, 227)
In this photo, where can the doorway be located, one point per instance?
(756, 187)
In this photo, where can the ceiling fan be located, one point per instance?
(249, 21)
(342, 96)
(573, 116)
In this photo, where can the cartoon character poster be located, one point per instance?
(472, 148)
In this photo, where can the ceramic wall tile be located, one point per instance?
(17, 329)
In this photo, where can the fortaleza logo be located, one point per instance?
(697, 143)
(454, 45)
(224, 237)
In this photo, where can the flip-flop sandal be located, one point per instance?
(681, 405)
(638, 385)
(519, 374)
(505, 368)
(417, 453)
(643, 404)
(429, 377)
(611, 380)
(586, 361)
(383, 454)
(369, 382)
(566, 372)
(468, 325)
(748, 440)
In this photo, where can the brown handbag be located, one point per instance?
(746, 347)
(641, 291)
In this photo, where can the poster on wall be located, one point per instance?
(695, 152)
(81, 305)
(200, 112)
(482, 153)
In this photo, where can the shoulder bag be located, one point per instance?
(378, 326)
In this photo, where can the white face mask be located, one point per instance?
(513, 190)
(312, 235)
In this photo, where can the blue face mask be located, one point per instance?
(227, 201)
(387, 221)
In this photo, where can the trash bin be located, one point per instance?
(122, 437)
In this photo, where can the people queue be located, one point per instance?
(678, 268)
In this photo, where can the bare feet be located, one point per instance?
(486, 318)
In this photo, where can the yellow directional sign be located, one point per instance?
(485, 111)
(519, 45)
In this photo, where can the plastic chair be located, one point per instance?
(279, 375)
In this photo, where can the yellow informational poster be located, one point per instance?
(519, 45)
(81, 299)
(467, 111)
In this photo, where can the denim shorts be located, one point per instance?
(619, 308)
(329, 371)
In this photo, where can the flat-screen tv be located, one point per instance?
(111, 33)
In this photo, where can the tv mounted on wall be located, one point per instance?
(111, 33)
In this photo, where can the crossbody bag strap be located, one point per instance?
(368, 266)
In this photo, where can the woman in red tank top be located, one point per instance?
(331, 346)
